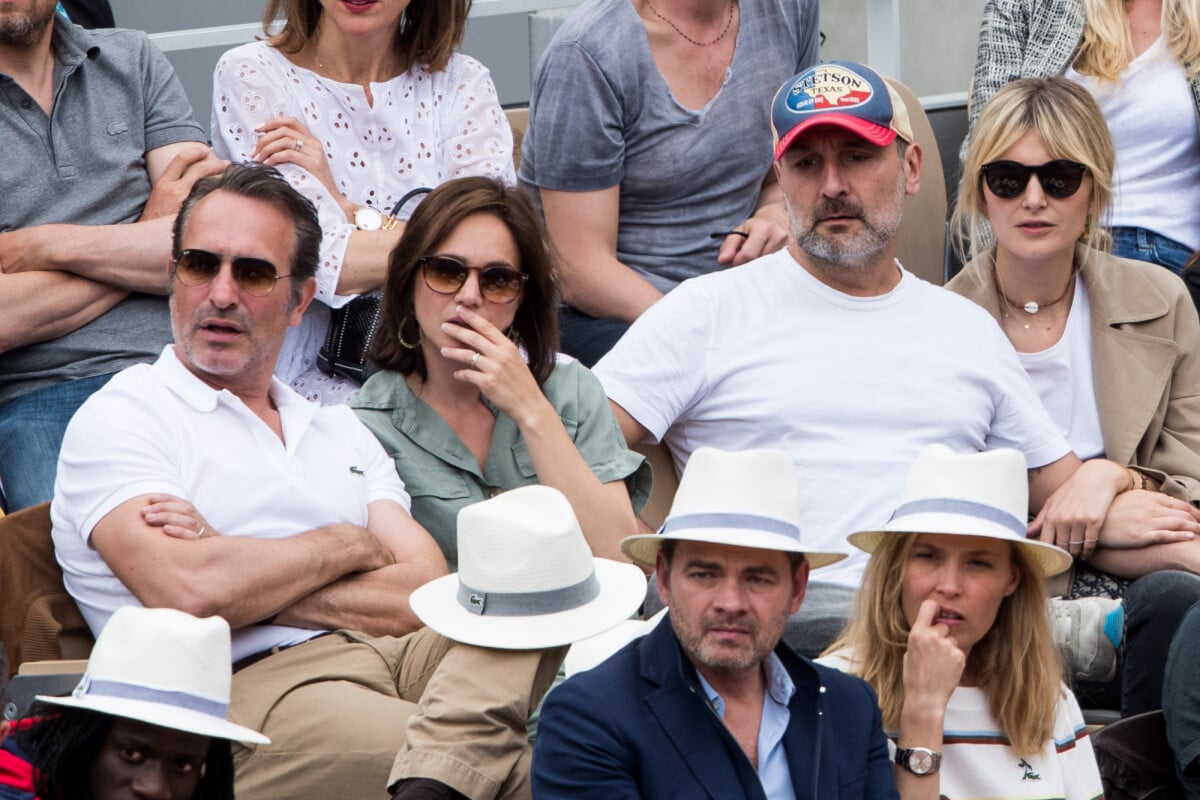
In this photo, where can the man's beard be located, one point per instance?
(25, 30)
(855, 253)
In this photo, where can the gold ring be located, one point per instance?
(297, 144)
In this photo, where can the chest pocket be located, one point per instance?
(432, 480)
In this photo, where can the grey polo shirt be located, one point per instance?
(116, 98)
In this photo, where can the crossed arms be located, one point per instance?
(336, 576)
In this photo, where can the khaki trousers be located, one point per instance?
(348, 715)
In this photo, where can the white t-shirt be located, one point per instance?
(1063, 377)
(423, 129)
(1152, 119)
(159, 428)
(766, 355)
(978, 763)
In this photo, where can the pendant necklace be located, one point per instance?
(1031, 308)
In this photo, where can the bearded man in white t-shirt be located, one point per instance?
(832, 351)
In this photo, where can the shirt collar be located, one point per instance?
(780, 687)
(202, 397)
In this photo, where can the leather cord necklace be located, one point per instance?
(728, 25)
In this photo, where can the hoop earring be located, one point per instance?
(400, 335)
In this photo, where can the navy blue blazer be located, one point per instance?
(639, 726)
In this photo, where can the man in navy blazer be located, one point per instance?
(713, 704)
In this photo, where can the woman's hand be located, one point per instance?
(1071, 518)
(500, 372)
(177, 518)
(760, 235)
(1141, 518)
(286, 140)
(933, 664)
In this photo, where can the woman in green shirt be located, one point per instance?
(472, 398)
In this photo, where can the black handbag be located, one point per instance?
(353, 326)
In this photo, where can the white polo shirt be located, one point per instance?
(159, 428)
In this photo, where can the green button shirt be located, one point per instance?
(442, 475)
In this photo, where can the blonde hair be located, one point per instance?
(1015, 662)
(1071, 126)
(1107, 46)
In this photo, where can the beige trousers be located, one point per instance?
(348, 715)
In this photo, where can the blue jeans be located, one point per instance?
(588, 338)
(1146, 245)
(31, 434)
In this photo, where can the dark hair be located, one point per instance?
(260, 182)
(66, 741)
(429, 32)
(536, 321)
(668, 551)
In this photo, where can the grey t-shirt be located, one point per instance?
(602, 114)
(116, 97)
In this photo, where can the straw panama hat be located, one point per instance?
(744, 499)
(163, 667)
(968, 494)
(526, 579)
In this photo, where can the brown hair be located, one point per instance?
(429, 32)
(536, 320)
(1016, 662)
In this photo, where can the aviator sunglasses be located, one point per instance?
(254, 275)
(1059, 178)
(446, 275)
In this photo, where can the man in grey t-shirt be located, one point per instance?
(100, 147)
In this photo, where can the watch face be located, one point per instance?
(920, 762)
(368, 219)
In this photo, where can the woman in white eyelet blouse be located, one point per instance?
(357, 103)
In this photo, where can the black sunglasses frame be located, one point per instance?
(244, 268)
(484, 272)
(1059, 179)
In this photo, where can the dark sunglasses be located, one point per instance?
(446, 275)
(1059, 178)
(254, 275)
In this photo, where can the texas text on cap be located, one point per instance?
(842, 93)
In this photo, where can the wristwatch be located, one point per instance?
(371, 219)
(919, 760)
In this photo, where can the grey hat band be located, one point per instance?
(528, 604)
(946, 505)
(88, 687)
(734, 521)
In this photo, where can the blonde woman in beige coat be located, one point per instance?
(1112, 345)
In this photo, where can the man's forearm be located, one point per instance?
(373, 602)
(40, 306)
(131, 256)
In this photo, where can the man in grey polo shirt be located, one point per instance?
(100, 147)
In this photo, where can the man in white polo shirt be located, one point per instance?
(201, 483)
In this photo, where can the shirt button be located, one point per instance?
(495, 491)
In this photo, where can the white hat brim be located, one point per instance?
(1050, 559)
(594, 650)
(161, 714)
(622, 591)
(643, 548)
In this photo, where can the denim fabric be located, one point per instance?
(31, 434)
(1146, 245)
(588, 338)
(1155, 604)
(1181, 702)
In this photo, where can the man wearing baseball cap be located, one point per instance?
(710, 703)
(830, 349)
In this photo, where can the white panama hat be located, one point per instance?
(163, 667)
(744, 499)
(968, 494)
(526, 579)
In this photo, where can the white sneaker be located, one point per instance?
(1088, 632)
